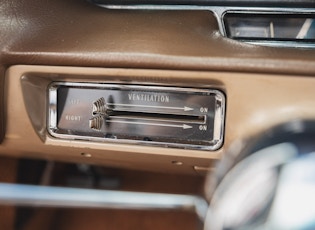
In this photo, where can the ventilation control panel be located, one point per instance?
(179, 117)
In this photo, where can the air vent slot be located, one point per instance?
(278, 28)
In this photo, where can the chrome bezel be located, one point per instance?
(218, 132)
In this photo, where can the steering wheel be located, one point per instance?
(266, 182)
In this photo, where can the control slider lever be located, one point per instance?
(108, 110)
(177, 118)
(110, 114)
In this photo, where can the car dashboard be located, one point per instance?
(156, 86)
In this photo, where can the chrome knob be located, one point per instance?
(99, 107)
(96, 122)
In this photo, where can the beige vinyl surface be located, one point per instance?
(254, 103)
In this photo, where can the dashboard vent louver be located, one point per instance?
(273, 28)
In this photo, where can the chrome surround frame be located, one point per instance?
(219, 119)
(220, 11)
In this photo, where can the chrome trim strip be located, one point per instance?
(282, 44)
(219, 113)
(33, 195)
(52, 108)
(218, 132)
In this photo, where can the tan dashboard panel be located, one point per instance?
(254, 103)
(78, 33)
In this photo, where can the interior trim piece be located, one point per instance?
(48, 196)
(249, 111)
(265, 3)
(167, 116)
(220, 11)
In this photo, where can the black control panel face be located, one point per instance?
(166, 116)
